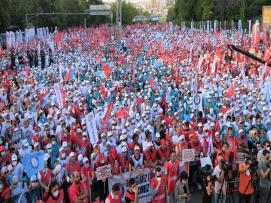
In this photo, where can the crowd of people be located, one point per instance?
(88, 100)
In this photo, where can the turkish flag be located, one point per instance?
(102, 90)
(68, 75)
(230, 92)
(151, 82)
(107, 70)
(123, 113)
(224, 110)
(120, 59)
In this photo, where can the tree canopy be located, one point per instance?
(197, 10)
(13, 13)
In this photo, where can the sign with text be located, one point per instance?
(103, 172)
(143, 184)
(188, 155)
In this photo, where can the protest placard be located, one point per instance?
(188, 155)
(143, 184)
(103, 172)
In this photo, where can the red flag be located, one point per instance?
(102, 90)
(107, 70)
(120, 59)
(151, 82)
(123, 113)
(108, 112)
(27, 71)
(224, 110)
(230, 92)
(68, 75)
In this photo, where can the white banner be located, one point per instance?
(103, 172)
(143, 183)
(92, 127)
(188, 155)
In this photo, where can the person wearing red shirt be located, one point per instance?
(73, 164)
(182, 145)
(56, 195)
(77, 191)
(85, 145)
(66, 135)
(232, 141)
(186, 131)
(134, 142)
(150, 157)
(163, 152)
(87, 174)
(115, 195)
(169, 142)
(245, 187)
(44, 177)
(172, 170)
(158, 187)
(217, 142)
(131, 195)
(124, 161)
(5, 190)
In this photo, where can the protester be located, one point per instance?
(158, 187)
(131, 195)
(86, 101)
(56, 194)
(245, 187)
(182, 194)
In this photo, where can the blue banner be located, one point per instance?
(33, 162)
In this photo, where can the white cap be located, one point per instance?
(49, 146)
(124, 149)
(85, 159)
(14, 157)
(124, 131)
(200, 124)
(71, 154)
(80, 157)
(46, 157)
(216, 133)
(25, 143)
(36, 144)
(64, 144)
(241, 130)
(157, 135)
(182, 137)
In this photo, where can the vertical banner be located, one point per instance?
(143, 184)
(92, 127)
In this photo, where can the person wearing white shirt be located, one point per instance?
(220, 183)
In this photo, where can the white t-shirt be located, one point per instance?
(217, 172)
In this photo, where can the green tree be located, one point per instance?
(5, 6)
(129, 11)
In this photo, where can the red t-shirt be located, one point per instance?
(76, 190)
(60, 198)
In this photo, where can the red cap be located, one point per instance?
(194, 136)
(2, 148)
